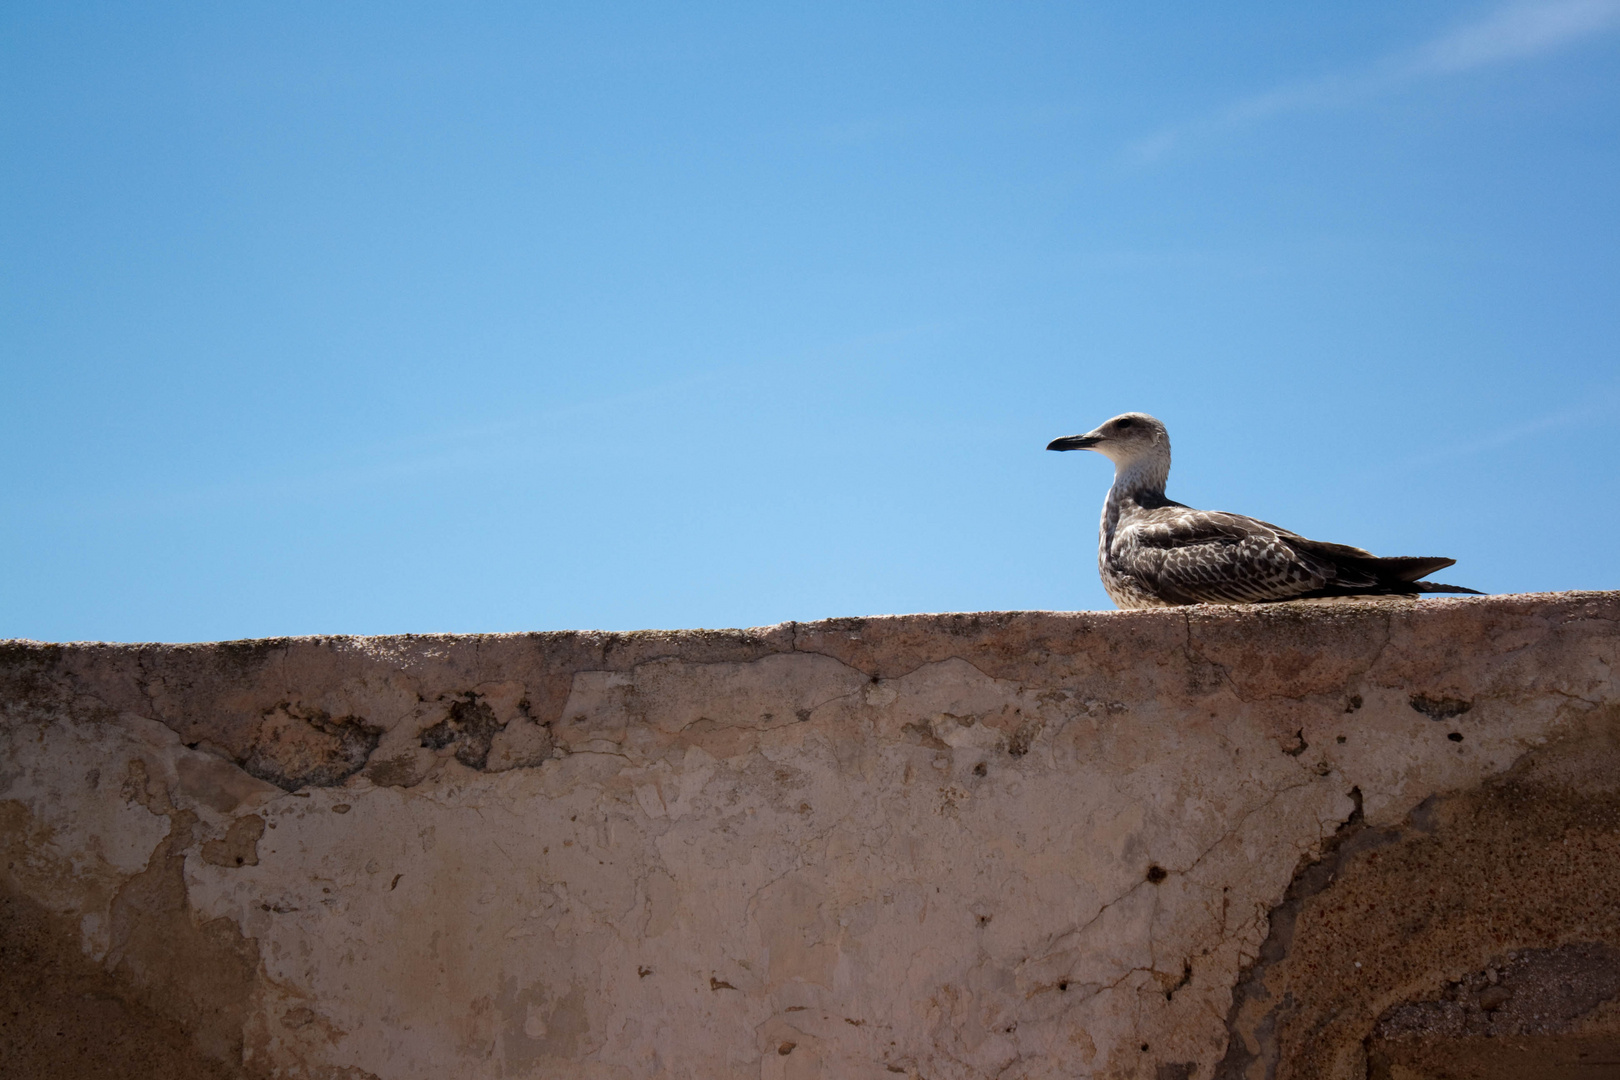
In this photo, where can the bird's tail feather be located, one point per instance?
(1369, 575)
(1409, 568)
(1435, 586)
(1360, 564)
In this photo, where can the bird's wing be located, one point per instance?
(1197, 556)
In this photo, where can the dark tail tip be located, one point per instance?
(1435, 586)
(1407, 568)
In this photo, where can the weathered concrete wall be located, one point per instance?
(1294, 841)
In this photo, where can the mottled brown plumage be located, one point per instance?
(1155, 552)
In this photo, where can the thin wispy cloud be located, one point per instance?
(1513, 33)
(1516, 32)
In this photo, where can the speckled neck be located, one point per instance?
(1144, 475)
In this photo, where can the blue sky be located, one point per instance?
(403, 318)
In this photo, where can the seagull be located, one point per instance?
(1155, 552)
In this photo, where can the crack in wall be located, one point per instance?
(1266, 804)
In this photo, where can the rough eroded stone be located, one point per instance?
(1137, 844)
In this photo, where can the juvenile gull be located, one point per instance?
(1155, 552)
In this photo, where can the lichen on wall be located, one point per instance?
(1012, 845)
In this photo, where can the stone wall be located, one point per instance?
(1304, 840)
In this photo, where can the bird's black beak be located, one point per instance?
(1074, 442)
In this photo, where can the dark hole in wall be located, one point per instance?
(471, 727)
(1436, 707)
(297, 747)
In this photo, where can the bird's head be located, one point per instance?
(1122, 440)
(1137, 444)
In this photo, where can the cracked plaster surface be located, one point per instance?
(948, 846)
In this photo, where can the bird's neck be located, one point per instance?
(1141, 479)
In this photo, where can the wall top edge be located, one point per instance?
(1597, 603)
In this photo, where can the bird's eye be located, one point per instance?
(1122, 423)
